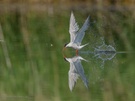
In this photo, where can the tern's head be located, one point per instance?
(65, 45)
(63, 50)
(65, 59)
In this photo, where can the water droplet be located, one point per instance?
(51, 45)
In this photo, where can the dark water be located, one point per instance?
(32, 67)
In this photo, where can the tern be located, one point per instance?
(76, 70)
(76, 34)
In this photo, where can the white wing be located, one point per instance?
(81, 32)
(73, 27)
(76, 70)
(80, 71)
(73, 76)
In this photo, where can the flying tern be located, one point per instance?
(76, 34)
(76, 70)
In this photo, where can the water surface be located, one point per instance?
(31, 58)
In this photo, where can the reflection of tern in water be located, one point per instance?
(76, 35)
(76, 71)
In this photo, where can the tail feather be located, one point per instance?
(84, 45)
(83, 59)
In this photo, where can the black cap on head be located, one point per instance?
(65, 59)
(65, 44)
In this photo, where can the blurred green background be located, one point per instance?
(32, 36)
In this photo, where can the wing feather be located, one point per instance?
(73, 27)
(80, 71)
(73, 76)
(76, 70)
(81, 32)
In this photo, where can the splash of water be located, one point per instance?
(105, 52)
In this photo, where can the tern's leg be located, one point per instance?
(76, 52)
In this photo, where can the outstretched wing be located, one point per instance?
(81, 32)
(73, 27)
(73, 76)
(80, 71)
(76, 71)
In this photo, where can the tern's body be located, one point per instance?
(76, 46)
(76, 34)
(76, 71)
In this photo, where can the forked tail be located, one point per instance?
(84, 45)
